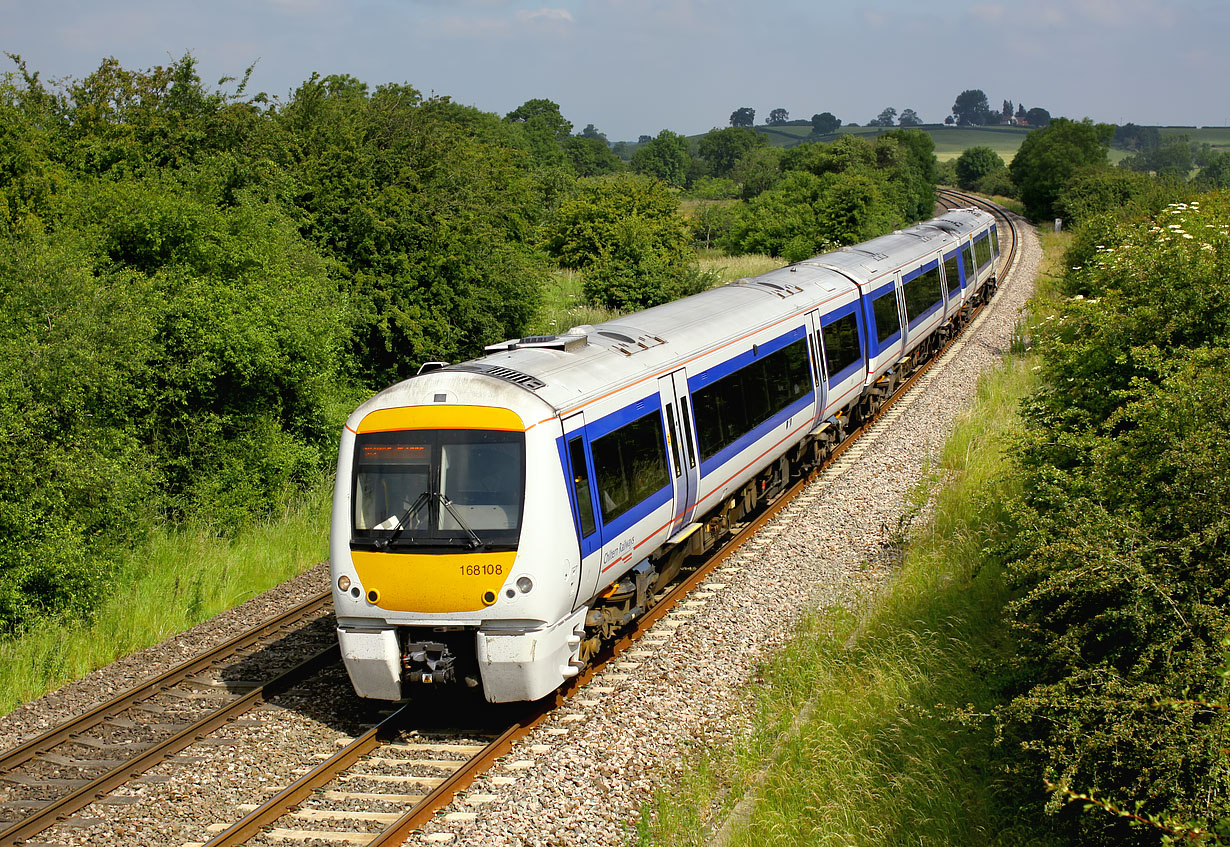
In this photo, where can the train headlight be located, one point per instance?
(525, 584)
(343, 583)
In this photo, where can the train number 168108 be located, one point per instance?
(481, 570)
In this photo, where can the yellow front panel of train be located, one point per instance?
(417, 582)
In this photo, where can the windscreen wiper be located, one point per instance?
(419, 502)
(475, 541)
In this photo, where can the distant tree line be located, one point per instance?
(971, 108)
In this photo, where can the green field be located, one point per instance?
(951, 141)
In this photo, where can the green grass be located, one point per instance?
(730, 268)
(177, 580)
(892, 747)
(871, 727)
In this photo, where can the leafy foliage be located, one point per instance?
(972, 108)
(1122, 560)
(625, 232)
(722, 148)
(839, 193)
(976, 163)
(198, 284)
(1049, 157)
(824, 123)
(665, 157)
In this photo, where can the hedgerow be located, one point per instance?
(1121, 563)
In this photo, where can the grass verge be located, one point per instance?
(178, 579)
(870, 725)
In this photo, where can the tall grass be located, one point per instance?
(730, 268)
(178, 579)
(891, 746)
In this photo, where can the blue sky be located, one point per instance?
(634, 67)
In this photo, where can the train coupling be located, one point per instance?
(429, 662)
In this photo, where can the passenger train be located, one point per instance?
(494, 520)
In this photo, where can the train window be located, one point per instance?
(630, 464)
(922, 292)
(687, 431)
(841, 348)
(580, 484)
(739, 402)
(670, 437)
(982, 251)
(888, 321)
(994, 241)
(968, 261)
(951, 280)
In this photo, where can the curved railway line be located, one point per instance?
(383, 784)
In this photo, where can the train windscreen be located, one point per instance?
(438, 488)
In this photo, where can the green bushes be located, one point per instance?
(835, 194)
(1121, 565)
(625, 234)
(196, 288)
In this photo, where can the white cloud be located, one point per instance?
(550, 16)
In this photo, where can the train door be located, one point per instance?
(578, 467)
(819, 370)
(680, 447)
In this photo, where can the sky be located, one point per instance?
(635, 67)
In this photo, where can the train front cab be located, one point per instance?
(445, 568)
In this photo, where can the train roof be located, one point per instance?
(569, 369)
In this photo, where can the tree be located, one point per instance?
(824, 123)
(1038, 117)
(721, 148)
(625, 233)
(971, 108)
(591, 131)
(974, 164)
(1048, 157)
(744, 116)
(1170, 157)
(778, 117)
(1215, 173)
(545, 128)
(908, 155)
(430, 211)
(909, 118)
(1005, 114)
(888, 117)
(542, 115)
(1133, 137)
(665, 157)
(1020, 113)
(591, 156)
(758, 170)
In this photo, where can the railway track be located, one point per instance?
(52, 776)
(383, 784)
